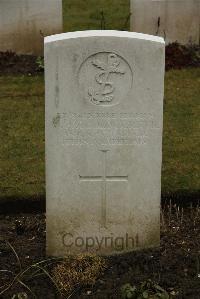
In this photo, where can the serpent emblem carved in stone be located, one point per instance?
(105, 92)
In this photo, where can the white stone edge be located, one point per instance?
(103, 33)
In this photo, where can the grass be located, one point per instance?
(86, 14)
(181, 139)
(78, 271)
(22, 134)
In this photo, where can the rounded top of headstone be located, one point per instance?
(102, 33)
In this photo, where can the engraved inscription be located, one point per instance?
(105, 79)
(104, 179)
(103, 129)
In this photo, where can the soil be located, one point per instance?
(174, 266)
(177, 57)
(11, 63)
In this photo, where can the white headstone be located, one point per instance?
(24, 23)
(104, 103)
(175, 20)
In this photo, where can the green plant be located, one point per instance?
(40, 63)
(147, 290)
(128, 291)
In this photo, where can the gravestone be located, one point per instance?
(175, 20)
(104, 103)
(24, 23)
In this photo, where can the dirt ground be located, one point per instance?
(177, 57)
(175, 265)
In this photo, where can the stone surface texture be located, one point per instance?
(104, 115)
(174, 20)
(24, 23)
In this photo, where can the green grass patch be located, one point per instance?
(181, 138)
(22, 134)
(86, 14)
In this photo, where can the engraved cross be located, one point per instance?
(104, 179)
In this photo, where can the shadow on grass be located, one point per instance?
(37, 204)
(15, 205)
(183, 198)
